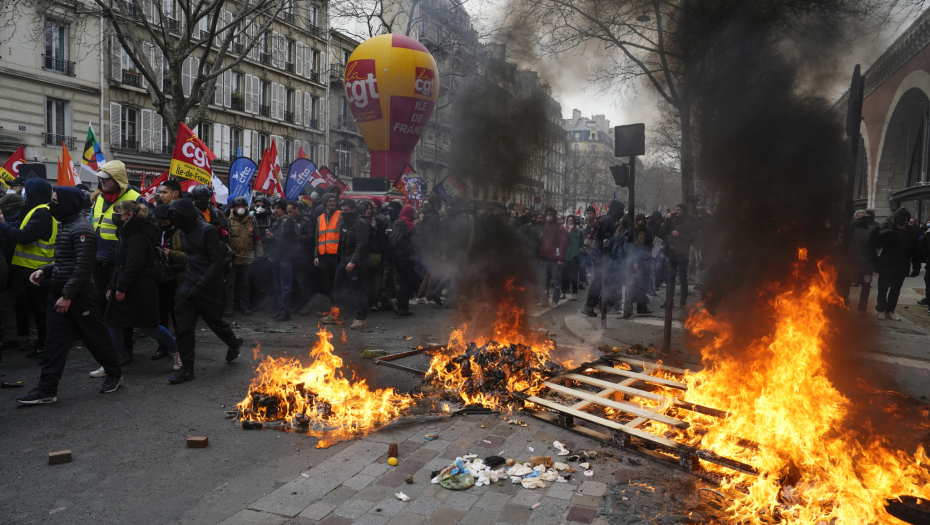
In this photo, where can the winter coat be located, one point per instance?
(382, 223)
(244, 239)
(553, 242)
(38, 192)
(402, 242)
(679, 246)
(353, 239)
(284, 243)
(177, 259)
(135, 276)
(898, 247)
(306, 239)
(639, 246)
(205, 252)
(861, 256)
(75, 249)
(575, 244)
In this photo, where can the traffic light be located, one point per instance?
(621, 174)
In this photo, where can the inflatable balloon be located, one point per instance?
(391, 84)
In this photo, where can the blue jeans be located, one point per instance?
(158, 333)
(282, 274)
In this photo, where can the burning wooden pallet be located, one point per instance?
(627, 435)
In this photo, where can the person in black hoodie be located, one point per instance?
(898, 245)
(350, 287)
(600, 234)
(72, 309)
(33, 234)
(860, 260)
(202, 294)
(678, 233)
(132, 293)
(402, 258)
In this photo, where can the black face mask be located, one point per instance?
(202, 205)
(54, 210)
(178, 219)
(166, 227)
(118, 221)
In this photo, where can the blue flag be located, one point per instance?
(301, 171)
(240, 178)
(239, 153)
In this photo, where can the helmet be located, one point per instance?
(261, 198)
(202, 192)
(239, 201)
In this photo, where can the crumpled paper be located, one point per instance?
(561, 448)
(403, 497)
(519, 470)
(533, 483)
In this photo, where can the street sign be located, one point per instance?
(630, 140)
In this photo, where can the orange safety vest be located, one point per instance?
(328, 239)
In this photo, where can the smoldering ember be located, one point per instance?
(519, 261)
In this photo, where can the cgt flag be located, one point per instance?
(265, 181)
(93, 157)
(191, 159)
(67, 173)
(410, 184)
(449, 188)
(10, 169)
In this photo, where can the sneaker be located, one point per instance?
(36, 397)
(553, 303)
(436, 299)
(396, 307)
(574, 297)
(233, 353)
(100, 372)
(110, 384)
(406, 313)
(328, 319)
(358, 324)
(161, 353)
(588, 311)
(177, 361)
(880, 315)
(891, 316)
(421, 300)
(183, 374)
(922, 302)
(285, 315)
(125, 358)
(36, 353)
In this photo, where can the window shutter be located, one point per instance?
(299, 60)
(321, 156)
(116, 59)
(186, 75)
(282, 101)
(308, 109)
(256, 87)
(247, 96)
(227, 89)
(217, 139)
(218, 90)
(157, 124)
(274, 50)
(225, 154)
(297, 107)
(246, 143)
(256, 155)
(115, 132)
(146, 143)
(274, 100)
(308, 150)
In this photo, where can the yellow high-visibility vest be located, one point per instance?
(39, 252)
(103, 220)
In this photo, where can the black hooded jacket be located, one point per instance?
(75, 248)
(353, 238)
(898, 245)
(38, 192)
(205, 251)
(135, 276)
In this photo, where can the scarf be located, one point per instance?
(111, 197)
(406, 215)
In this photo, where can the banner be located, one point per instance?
(191, 159)
(300, 173)
(332, 180)
(220, 191)
(240, 176)
(597, 211)
(275, 162)
(301, 154)
(265, 181)
(449, 188)
(149, 192)
(410, 184)
(67, 173)
(318, 180)
(10, 169)
(93, 157)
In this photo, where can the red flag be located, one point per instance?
(332, 180)
(191, 159)
(401, 182)
(10, 169)
(265, 180)
(186, 185)
(597, 211)
(579, 211)
(149, 193)
(67, 173)
(301, 154)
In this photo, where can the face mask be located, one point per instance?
(53, 209)
(240, 211)
(202, 205)
(178, 219)
(165, 227)
(259, 209)
(118, 221)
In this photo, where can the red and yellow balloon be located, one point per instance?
(391, 84)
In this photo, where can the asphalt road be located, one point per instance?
(131, 464)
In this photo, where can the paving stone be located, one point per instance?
(507, 488)
(628, 474)
(359, 481)
(581, 514)
(455, 452)
(526, 498)
(339, 496)
(251, 517)
(404, 450)
(515, 514)
(300, 521)
(353, 509)
(549, 512)
(438, 444)
(375, 469)
(318, 510)
(445, 516)
(422, 454)
(371, 519)
(586, 501)
(409, 466)
(375, 492)
(492, 501)
(436, 464)
(388, 507)
(466, 441)
(406, 518)
(561, 491)
(496, 442)
(394, 434)
(424, 505)
(460, 500)
(392, 479)
(335, 520)
(593, 488)
(545, 437)
(478, 516)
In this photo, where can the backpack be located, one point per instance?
(163, 271)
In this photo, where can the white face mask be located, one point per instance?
(240, 211)
(259, 209)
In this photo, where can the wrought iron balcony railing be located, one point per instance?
(60, 65)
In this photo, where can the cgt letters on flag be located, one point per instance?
(191, 159)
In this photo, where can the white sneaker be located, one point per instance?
(329, 319)
(177, 361)
(891, 316)
(358, 324)
(98, 373)
(881, 315)
(421, 300)
(574, 297)
(553, 304)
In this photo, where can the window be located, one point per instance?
(56, 47)
(314, 111)
(263, 143)
(204, 131)
(287, 152)
(290, 51)
(343, 154)
(235, 82)
(204, 26)
(312, 16)
(126, 62)
(345, 56)
(263, 105)
(237, 99)
(235, 140)
(593, 135)
(165, 139)
(129, 132)
(315, 60)
(57, 122)
(289, 106)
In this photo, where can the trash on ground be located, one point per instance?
(561, 448)
(431, 437)
(403, 497)
(589, 473)
(62, 456)
(371, 354)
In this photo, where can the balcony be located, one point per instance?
(315, 30)
(289, 67)
(337, 73)
(172, 24)
(314, 123)
(60, 65)
(204, 35)
(347, 123)
(53, 139)
(133, 11)
(288, 17)
(264, 110)
(131, 78)
(166, 86)
(130, 144)
(235, 48)
(315, 77)
(264, 59)
(237, 104)
(289, 117)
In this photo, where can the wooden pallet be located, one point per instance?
(614, 395)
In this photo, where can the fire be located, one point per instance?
(319, 396)
(486, 371)
(822, 462)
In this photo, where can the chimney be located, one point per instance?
(576, 114)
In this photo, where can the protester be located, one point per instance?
(328, 241)
(678, 234)
(283, 236)
(859, 262)
(10, 205)
(132, 292)
(303, 256)
(203, 200)
(898, 245)
(201, 295)
(72, 309)
(246, 244)
(660, 261)
(17, 185)
(33, 232)
(168, 192)
(390, 212)
(170, 244)
(402, 248)
(640, 262)
(571, 266)
(552, 250)
(350, 287)
(427, 239)
(597, 239)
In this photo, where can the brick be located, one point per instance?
(424, 505)
(526, 498)
(444, 516)
(388, 507)
(359, 481)
(371, 519)
(493, 501)
(561, 491)
(318, 510)
(375, 492)
(392, 479)
(197, 442)
(353, 509)
(335, 520)
(410, 466)
(549, 512)
(477, 516)
(437, 444)
(461, 500)
(581, 514)
(406, 518)
(300, 521)
(593, 488)
(586, 501)
(514, 514)
(339, 496)
(62, 456)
